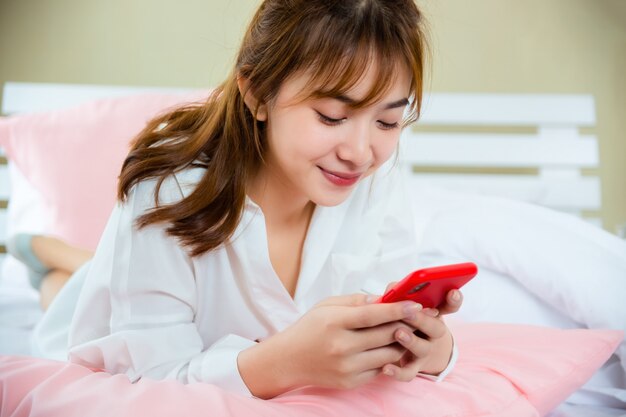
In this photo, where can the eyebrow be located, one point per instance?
(395, 104)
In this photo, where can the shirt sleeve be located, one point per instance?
(136, 311)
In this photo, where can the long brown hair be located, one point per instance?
(333, 41)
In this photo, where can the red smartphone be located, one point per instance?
(429, 286)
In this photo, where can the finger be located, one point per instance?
(420, 348)
(454, 299)
(406, 373)
(377, 358)
(347, 300)
(413, 360)
(428, 325)
(379, 336)
(432, 312)
(365, 377)
(371, 315)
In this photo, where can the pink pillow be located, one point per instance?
(73, 157)
(503, 370)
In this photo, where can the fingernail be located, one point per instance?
(403, 337)
(456, 296)
(411, 308)
(432, 312)
(388, 371)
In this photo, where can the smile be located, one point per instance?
(339, 178)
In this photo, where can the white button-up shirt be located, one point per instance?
(147, 308)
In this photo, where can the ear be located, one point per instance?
(251, 101)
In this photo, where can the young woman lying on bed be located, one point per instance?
(221, 257)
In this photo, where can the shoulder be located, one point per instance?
(188, 179)
(172, 189)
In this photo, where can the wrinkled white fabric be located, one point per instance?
(148, 309)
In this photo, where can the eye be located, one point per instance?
(329, 120)
(388, 126)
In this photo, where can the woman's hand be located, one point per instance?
(427, 351)
(342, 342)
(429, 345)
(454, 299)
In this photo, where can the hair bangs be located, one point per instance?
(339, 79)
(336, 61)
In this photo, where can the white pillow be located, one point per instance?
(573, 266)
(24, 214)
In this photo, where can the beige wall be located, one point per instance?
(538, 46)
(558, 46)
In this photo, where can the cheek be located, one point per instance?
(320, 141)
(310, 141)
(295, 133)
(384, 147)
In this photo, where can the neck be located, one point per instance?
(280, 207)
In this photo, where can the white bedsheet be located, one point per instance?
(19, 309)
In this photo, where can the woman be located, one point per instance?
(243, 223)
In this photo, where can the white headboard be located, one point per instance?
(35, 97)
(550, 151)
(523, 146)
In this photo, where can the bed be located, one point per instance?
(541, 329)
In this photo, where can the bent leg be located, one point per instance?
(56, 254)
(51, 285)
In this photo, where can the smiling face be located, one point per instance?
(318, 149)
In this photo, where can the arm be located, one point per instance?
(136, 313)
(343, 342)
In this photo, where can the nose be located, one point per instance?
(356, 147)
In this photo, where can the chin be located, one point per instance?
(330, 200)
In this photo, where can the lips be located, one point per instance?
(341, 178)
(345, 176)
